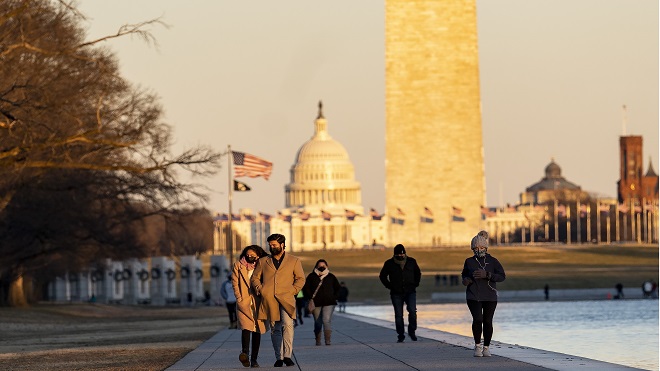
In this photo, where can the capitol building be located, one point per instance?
(323, 209)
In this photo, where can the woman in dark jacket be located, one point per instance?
(325, 298)
(480, 274)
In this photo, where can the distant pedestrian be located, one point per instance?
(647, 289)
(480, 274)
(248, 304)
(277, 278)
(401, 275)
(227, 293)
(322, 288)
(301, 303)
(343, 297)
(546, 291)
(619, 291)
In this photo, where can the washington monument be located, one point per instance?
(434, 168)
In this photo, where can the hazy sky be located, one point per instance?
(554, 77)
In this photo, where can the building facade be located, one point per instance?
(434, 167)
(323, 204)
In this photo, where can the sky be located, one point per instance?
(554, 75)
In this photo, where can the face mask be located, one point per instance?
(399, 258)
(250, 259)
(321, 269)
(275, 250)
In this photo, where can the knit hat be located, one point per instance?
(399, 249)
(480, 240)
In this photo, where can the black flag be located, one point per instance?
(241, 187)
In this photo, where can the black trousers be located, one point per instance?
(245, 343)
(482, 317)
(231, 309)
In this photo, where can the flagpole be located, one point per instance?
(451, 214)
(589, 222)
(578, 214)
(644, 220)
(598, 236)
(556, 221)
(230, 239)
(370, 219)
(617, 235)
(568, 224)
(632, 220)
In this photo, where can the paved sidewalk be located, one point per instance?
(360, 343)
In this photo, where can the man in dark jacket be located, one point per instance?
(401, 275)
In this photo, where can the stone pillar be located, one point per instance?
(137, 285)
(115, 275)
(163, 281)
(60, 289)
(191, 280)
(218, 272)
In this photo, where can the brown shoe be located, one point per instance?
(245, 361)
(328, 335)
(318, 338)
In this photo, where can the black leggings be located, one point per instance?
(482, 315)
(245, 343)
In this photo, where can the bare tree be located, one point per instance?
(84, 155)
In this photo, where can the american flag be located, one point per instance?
(374, 214)
(251, 166)
(583, 210)
(561, 210)
(286, 218)
(604, 208)
(350, 214)
(456, 214)
(326, 215)
(221, 218)
(428, 211)
(399, 211)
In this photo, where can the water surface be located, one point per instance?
(616, 331)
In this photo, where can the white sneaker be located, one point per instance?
(478, 350)
(486, 352)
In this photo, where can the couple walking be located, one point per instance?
(265, 287)
(401, 275)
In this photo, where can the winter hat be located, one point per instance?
(399, 249)
(480, 240)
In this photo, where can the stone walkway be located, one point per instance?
(360, 343)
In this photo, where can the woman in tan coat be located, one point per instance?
(248, 304)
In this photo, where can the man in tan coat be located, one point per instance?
(277, 279)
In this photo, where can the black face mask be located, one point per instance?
(321, 269)
(275, 250)
(399, 258)
(250, 259)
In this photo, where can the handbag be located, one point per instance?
(310, 303)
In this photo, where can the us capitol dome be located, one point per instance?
(323, 176)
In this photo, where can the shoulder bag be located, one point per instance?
(310, 304)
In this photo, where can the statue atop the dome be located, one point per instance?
(320, 116)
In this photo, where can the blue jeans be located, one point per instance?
(281, 334)
(323, 318)
(411, 305)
